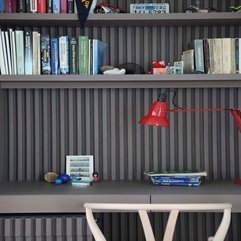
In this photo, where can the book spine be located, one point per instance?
(63, 6)
(21, 6)
(176, 179)
(35, 53)
(199, 55)
(239, 54)
(90, 64)
(2, 63)
(70, 6)
(1, 6)
(8, 53)
(27, 6)
(226, 52)
(95, 56)
(54, 56)
(83, 55)
(39, 55)
(19, 51)
(14, 57)
(233, 56)
(56, 6)
(28, 52)
(49, 6)
(73, 56)
(5, 52)
(10, 31)
(9, 6)
(45, 54)
(178, 184)
(206, 56)
(33, 6)
(41, 6)
(236, 55)
(64, 55)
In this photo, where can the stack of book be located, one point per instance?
(184, 178)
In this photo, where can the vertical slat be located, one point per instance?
(54, 126)
(71, 121)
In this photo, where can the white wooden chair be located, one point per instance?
(174, 210)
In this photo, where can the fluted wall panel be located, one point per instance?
(44, 228)
(46, 125)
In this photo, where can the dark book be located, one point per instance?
(199, 55)
(49, 6)
(45, 54)
(27, 6)
(28, 51)
(73, 56)
(21, 8)
(54, 56)
(70, 6)
(206, 56)
(10, 6)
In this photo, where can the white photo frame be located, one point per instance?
(80, 167)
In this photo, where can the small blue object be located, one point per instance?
(58, 181)
(64, 177)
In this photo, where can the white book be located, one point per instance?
(4, 53)
(19, 39)
(14, 60)
(33, 6)
(63, 55)
(9, 62)
(35, 53)
(39, 56)
(2, 64)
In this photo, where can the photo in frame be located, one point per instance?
(80, 167)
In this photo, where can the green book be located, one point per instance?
(83, 44)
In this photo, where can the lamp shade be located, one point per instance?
(157, 115)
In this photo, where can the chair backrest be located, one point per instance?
(174, 210)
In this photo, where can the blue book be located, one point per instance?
(28, 52)
(184, 184)
(45, 54)
(1, 6)
(98, 55)
(179, 179)
(56, 6)
(64, 55)
(199, 55)
(54, 56)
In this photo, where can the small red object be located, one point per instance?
(95, 176)
(237, 182)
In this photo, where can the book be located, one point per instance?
(206, 56)
(217, 56)
(98, 55)
(75, 181)
(73, 56)
(64, 55)
(199, 55)
(63, 6)
(177, 184)
(35, 52)
(12, 51)
(28, 66)
(4, 52)
(41, 6)
(9, 6)
(70, 6)
(56, 6)
(8, 53)
(27, 6)
(1, 6)
(2, 62)
(239, 54)
(83, 44)
(45, 54)
(177, 179)
(54, 58)
(21, 6)
(33, 6)
(228, 56)
(14, 57)
(188, 61)
(49, 6)
(19, 38)
(186, 173)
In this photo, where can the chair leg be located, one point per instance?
(146, 225)
(171, 223)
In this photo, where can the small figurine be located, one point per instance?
(107, 8)
(195, 8)
(95, 176)
(115, 71)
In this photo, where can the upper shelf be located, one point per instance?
(121, 81)
(98, 20)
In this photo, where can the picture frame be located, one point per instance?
(80, 166)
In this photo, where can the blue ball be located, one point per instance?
(64, 177)
(58, 181)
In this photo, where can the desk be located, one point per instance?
(42, 197)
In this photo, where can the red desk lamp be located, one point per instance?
(157, 115)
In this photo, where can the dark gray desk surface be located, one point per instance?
(42, 197)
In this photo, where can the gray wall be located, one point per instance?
(40, 127)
